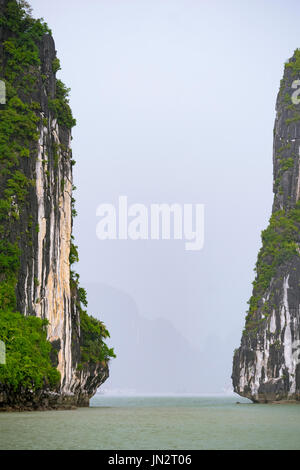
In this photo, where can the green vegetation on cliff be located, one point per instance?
(294, 64)
(279, 244)
(93, 348)
(28, 351)
(60, 106)
(28, 361)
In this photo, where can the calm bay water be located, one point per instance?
(156, 423)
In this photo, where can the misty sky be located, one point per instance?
(175, 102)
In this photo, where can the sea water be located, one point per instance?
(168, 422)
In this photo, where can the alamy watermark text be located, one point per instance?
(156, 222)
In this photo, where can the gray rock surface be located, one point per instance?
(266, 367)
(43, 287)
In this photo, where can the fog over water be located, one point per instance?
(175, 103)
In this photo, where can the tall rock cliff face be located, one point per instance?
(266, 367)
(36, 210)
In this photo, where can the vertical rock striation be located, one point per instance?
(36, 186)
(266, 367)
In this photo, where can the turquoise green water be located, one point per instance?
(156, 423)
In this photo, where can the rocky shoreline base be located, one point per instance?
(40, 401)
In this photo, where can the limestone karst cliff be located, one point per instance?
(266, 367)
(66, 359)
